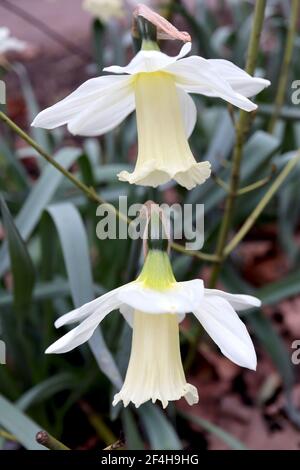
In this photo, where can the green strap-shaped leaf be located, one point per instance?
(46, 389)
(132, 434)
(40, 135)
(226, 437)
(159, 430)
(38, 199)
(73, 239)
(21, 264)
(17, 170)
(18, 424)
(277, 291)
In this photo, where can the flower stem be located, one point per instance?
(148, 34)
(8, 436)
(241, 131)
(256, 185)
(284, 71)
(90, 191)
(49, 441)
(97, 422)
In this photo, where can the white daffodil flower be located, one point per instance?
(153, 305)
(9, 43)
(104, 10)
(158, 87)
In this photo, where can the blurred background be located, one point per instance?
(51, 259)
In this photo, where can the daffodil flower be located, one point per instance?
(158, 87)
(9, 43)
(104, 10)
(153, 305)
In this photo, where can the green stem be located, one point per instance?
(90, 191)
(241, 131)
(250, 221)
(97, 422)
(284, 70)
(147, 30)
(49, 441)
(196, 254)
(253, 186)
(8, 436)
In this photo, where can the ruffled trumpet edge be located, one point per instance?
(151, 175)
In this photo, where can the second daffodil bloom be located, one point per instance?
(153, 305)
(157, 86)
(104, 10)
(9, 43)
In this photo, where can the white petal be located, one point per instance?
(240, 80)
(77, 102)
(80, 334)
(127, 313)
(183, 297)
(188, 110)
(105, 113)
(149, 61)
(196, 75)
(227, 330)
(4, 33)
(105, 302)
(9, 43)
(237, 301)
(12, 44)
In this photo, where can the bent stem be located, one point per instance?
(241, 131)
(284, 70)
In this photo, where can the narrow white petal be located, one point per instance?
(196, 75)
(77, 102)
(106, 301)
(78, 335)
(9, 43)
(183, 297)
(237, 301)
(188, 110)
(12, 44)
(227, 330)
(149, 61)
(104, 114)
(239, 80)
(127, 313)
(4, 33)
